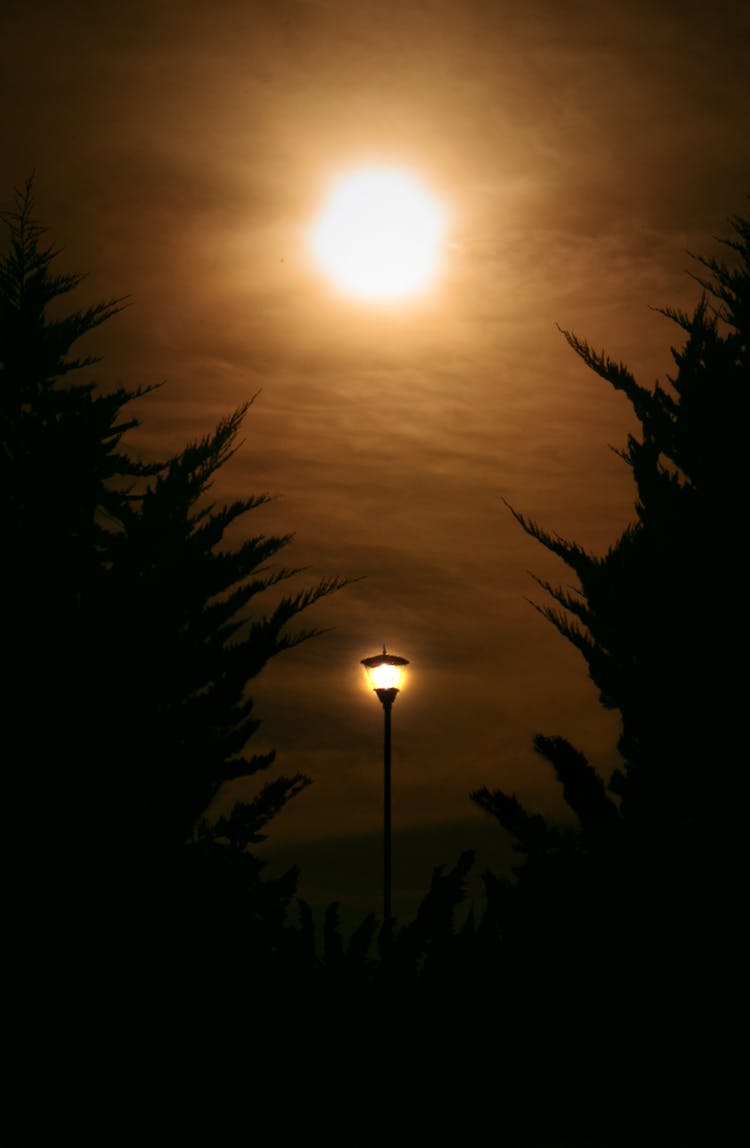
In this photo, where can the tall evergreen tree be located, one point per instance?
(651, 616)
(129, 624)
(639, 904)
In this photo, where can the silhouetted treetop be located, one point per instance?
(648, 615)
(132, 625)
(658, 619)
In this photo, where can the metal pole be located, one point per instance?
(387, 698)
(387, 703)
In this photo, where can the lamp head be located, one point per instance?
(385, 671)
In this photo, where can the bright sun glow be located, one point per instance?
(379, 235)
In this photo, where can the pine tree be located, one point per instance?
(651, 616)
(639, 905)
(131, 629)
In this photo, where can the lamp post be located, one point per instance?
(385, 672)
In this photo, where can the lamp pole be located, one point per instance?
(387, 698)
(385, 674)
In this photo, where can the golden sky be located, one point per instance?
(581, 148)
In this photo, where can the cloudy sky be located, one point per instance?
(579, 149)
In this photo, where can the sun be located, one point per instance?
(379, 234)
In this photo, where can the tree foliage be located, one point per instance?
(130, 624)
(638, 903)
(653, 617)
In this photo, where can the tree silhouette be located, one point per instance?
(132, 632)
(648, 616)
(648, 885)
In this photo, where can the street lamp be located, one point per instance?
(385, 672)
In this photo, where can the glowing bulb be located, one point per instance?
(385, 677)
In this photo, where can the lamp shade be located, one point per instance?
(385, 671)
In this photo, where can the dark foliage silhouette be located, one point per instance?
(131, 629)
(638, 904)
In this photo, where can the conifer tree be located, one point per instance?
(130, 626)
(637, 907)
(651, 617)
